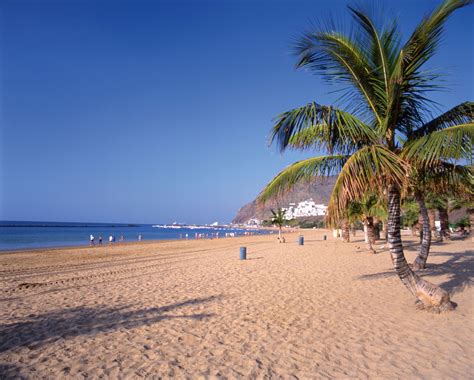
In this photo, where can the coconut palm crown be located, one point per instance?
(381, 128)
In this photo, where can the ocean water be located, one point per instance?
(26, 235)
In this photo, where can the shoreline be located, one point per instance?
(146, 241)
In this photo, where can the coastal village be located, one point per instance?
(294, 210)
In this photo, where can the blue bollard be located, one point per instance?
(243, 253)
(301, 240)
(325, 237)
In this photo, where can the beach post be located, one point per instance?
(325, 237)
(243, 253)
(301, 240)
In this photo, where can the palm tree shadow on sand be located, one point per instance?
(38, 330)
(459, 268)
(10, 371)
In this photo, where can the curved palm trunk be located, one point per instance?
(345, 231)
(444, 222)
(428, 295)
(370, 233)
(419, 227)
(420, 261)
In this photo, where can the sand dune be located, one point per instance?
(191, 309)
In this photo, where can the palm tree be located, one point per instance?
(345, 230)
(411, 214)
(444, 232)
(352, 217)
(385, 111)
(278, 219)
(345, 225)
(434, 202)
(367, 210)
(439, 178)
(429, 174)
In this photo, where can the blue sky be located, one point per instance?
(159, 111)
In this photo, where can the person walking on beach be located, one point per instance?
(91, 238)
(100, 240)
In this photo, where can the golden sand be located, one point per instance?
(191, 309)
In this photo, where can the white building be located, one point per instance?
(253, 222)
(305, 208)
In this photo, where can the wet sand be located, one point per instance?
(191, 309)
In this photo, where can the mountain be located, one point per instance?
(319, 190)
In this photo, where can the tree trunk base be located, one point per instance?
(448, 306)
(432, 298)
(416, 266)
(371, 248)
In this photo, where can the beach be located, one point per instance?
(192, 309)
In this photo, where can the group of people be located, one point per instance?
(111, 239)
(215, 235)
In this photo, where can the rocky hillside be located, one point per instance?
(319, 190)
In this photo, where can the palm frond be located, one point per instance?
(378, 47)
(278, 217)
(460, 114)
(369, 206)
(409, 105)
(302, 171)
(452, 143)
(425, 40)
(340, 58)
(450, 179)
(372, 167)
(314, 125)
(434, 201)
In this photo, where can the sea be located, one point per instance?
(29, 235)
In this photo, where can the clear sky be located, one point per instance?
(159, 111)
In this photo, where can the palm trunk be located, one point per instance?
(419, 227)
(353, 230)
(432, 216)
(370, 233)
(385, 230)
(428, 295)
(345, 231)
(420, 261)
(377, 228)
(279, 233)
(470, 211)
(444, 223)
